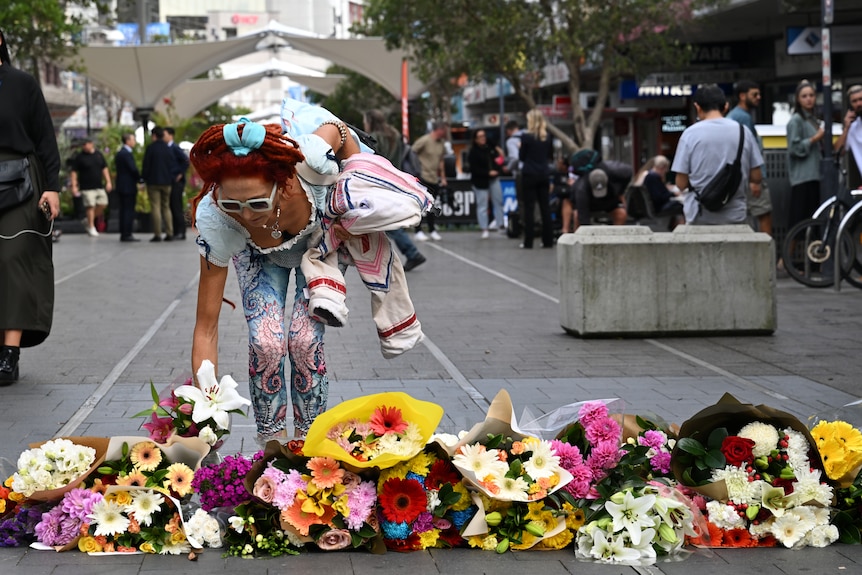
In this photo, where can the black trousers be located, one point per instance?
(177, 207)
(127, 213)
(535, 190)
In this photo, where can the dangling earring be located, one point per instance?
(275, 233)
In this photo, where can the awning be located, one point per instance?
(366, 56)
(144, 74)
(192, 96)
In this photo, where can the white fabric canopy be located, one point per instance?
(145, 74)
(192, 96)
(366, 56)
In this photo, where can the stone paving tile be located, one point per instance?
(497, 335)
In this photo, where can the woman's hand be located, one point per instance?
(52, 199)
(818, 136)
(340, 231)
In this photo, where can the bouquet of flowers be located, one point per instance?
(518, 526)
(254, 530)
(222, 484)
(637, 525)
(763, 474)
(130, 519)
(373, 431)
(49, 469)
(840, 446)
(320, 500)
(144, 464)
(422, 504)
(204, 529)
(192, 411)
(512, 470)
(61, 525)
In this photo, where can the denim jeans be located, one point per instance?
(404, 243)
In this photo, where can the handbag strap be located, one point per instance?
(741, 143)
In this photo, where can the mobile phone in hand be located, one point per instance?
(46, 209)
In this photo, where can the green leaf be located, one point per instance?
(154, 393)
(494, 441)
(715, 459)
(690, 445)
(849, 534)
(516, 468)
(716, 437)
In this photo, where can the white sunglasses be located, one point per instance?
(254, 204)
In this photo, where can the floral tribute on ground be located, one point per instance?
(611, 487)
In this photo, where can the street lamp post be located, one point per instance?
(828, 173)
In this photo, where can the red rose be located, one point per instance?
(737, 450)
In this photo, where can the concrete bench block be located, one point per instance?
(697, 280)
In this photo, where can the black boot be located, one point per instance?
(9, 364)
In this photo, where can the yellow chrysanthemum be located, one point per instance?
(558, 541)
(179, 479)
(476, 541)
(429, 538)
(397, 472)
(421, 464)
(527, 540)
(535, 510)
(574, 517)
(465, 501)
(146, 456)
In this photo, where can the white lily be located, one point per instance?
(612, 549)
(631, 514)
(212, 399)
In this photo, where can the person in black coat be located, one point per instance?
(127, 181)
(178, 187)
(158, 174)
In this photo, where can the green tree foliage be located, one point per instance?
(597, 40)
(40, 31)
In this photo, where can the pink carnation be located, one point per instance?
(653, 439)
(661, 462)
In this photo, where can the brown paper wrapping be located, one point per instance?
(100, 444)
(732, 414)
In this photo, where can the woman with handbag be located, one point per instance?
(804, 136)
(29, 201)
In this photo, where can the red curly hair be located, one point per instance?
(275, 160)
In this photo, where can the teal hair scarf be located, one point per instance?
(252, 137)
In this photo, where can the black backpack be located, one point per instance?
(410, 161)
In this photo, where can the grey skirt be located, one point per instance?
(26, 270)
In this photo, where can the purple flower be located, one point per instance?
(78, 503)
(361, 501)
(661, 462)
(57, 527)
(653, 439)
(423, 523)
(221, 484)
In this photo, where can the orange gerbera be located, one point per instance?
(387, 420)
(325, 471)
(179, 479)
(301, 520)
(737, 538)
(713, 538)
(146, 456)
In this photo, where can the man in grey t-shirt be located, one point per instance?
(704, 149)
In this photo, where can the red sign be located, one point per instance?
(244, 19)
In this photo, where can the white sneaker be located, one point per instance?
(435, 236)
(493, 224)
(420, 236)
(485, 234)
(92, 232)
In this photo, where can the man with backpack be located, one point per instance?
(430, 149)
(705, 149)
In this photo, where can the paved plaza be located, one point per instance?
(124, 316)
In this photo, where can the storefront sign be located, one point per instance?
(673, 123)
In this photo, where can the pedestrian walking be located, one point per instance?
(91, 178)
(158, 172)
(26, 213)
(431, 149)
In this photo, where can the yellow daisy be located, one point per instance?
(574, 517)
(146, 456)
(558, 541)
(429, 538)
(179, 479)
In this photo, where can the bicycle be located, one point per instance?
(808, 249)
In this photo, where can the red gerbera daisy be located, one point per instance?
(387, 420)
(402, 500)
(412, 543)
(442, 471)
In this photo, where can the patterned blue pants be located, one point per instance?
(264, 288)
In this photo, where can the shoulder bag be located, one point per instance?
(715, 195)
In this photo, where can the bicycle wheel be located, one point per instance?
(809, 260)
(854, 232)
